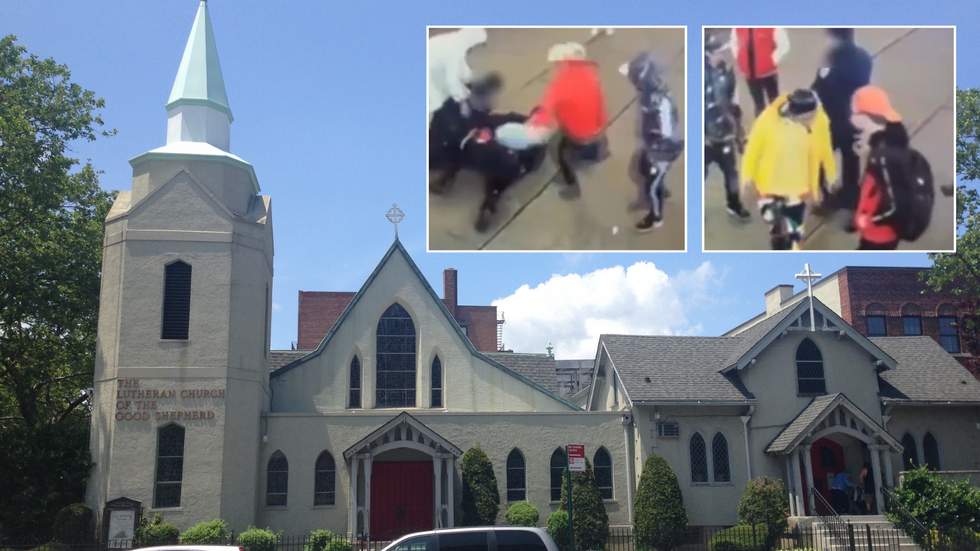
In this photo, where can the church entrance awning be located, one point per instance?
(404, 431)
(808, 444)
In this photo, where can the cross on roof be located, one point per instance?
(810, 276)
(395, 215)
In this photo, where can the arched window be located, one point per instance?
(930, 452)
(910, 456)
(355, 383)
(436, 383)
(324, 480)
(277, 480)
(809, 369)
(516, 481)
(170, 466)
(911, 320)
(602, 467)
(557, 473)
(875, 314)
(949, 333)
(699, 459)
(720, 461)
(176, 301)
(396, 359)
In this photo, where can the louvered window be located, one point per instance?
(176, 301)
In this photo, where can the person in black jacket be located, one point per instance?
(723, 131)
(847, 68)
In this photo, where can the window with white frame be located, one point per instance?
(669, 429)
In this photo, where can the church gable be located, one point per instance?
(183, 202)
(396, 346)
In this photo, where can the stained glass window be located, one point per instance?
(436, 383)
(277, 481)
(930, 452)
(396, 359)
(325, 480)
(719, 459)
(699, 460)
(557, 473)
(355, 383)
(910, 455)
(602, 467)
(170, 466)
(516, 485)
(809, 369)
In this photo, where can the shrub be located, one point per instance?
(481, 497)
(212, 532)
(590, 522)
(522, 513)
(73, 523)
(558, 529)
(937, 503)
(660, 519)
(741, 538)
(257, 539)
(150, 534)
(52, 546)
(325, 540)
(765, 502)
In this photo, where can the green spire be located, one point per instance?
(199, 79)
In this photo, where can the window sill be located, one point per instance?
(276, 507)
(712, 484)
(316, 507)
(176, 341)
(166, 509)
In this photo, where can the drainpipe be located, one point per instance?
(628, 448)
(745, 432)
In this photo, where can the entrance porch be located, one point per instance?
(829, 436)
(402, 480)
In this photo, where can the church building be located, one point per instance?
(363, 434)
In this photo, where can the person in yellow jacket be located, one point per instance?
(787, 146)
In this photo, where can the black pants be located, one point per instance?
(766, 85)
(723, 155)
(839, 500)
(850, 173)
(872, 246)
(571, 153)
(653, 184)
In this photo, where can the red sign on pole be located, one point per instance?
(576, 458)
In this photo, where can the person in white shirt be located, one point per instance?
(449, 70)
(758, 53)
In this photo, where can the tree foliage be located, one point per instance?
(210, 532)
(325, 540)
(481, 496)
(937, 503)
(51, 225)
(590, 521)
(558, 529)
(257, 539)
(660, 519)
(157, 532)
(959, 272)
(73, 524)
(765, 501)
(522, 513)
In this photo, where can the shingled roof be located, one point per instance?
(539, 368)
(279, 358)
(925, 373)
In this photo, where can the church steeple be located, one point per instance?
(198, 110)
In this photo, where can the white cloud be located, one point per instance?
(571, 311)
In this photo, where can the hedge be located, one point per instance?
(73, 523)
(766, 502)
(589, 518)
(150, 534)
(325, 540)
(522, 513)
(481, 497)
(257, 539)
(212, 532)
(741, 538)
(660, 519)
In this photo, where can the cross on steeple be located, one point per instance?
(810, 277)
(549, 348)
(395, 215)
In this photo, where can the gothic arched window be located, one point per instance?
(699, 459)
(930, 452)
(910, 455)
(809, 369)
(355, 384)
(436, 383)
(277, 480)
(324, 479)
(557, 473)
(395, 369)
(720, 460)
(603, 470)
(516, 479)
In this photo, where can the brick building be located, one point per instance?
(878, 302)
(319, 310)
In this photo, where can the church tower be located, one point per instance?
(181, 375)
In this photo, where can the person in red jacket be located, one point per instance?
(574, 105)
(758, 52)
(880, 126)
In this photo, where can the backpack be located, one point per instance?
(908, 173)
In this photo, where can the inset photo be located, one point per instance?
(556, 139)
(829, 139)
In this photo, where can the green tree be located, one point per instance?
(959, 272)
(73, 524)
(52, 214)
(660, 519)
(481, 497)
(765, 501)
(590, 522)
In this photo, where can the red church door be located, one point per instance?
(827, 459)
(401, 499)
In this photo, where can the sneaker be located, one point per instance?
(649, 223)
(570, 191)
(738, 212)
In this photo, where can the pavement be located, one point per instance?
(916, 68)
(532, 216)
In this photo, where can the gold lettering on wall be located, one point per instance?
(133, 403)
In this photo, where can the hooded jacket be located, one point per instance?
(764, 154)
(574, 101)
(658, 127)
(848, 67)
(876, 209)
(449, 72)
(721, 122)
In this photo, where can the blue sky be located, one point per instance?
(328, 100)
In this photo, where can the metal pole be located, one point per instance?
(568, 480)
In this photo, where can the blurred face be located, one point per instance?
(866, 126)
(806, 119)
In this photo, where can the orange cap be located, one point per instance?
(872, 100)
